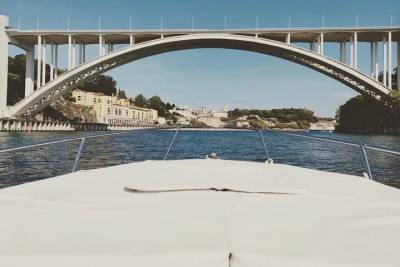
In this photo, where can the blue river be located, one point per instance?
(30, 164)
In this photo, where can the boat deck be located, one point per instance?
(200, 213)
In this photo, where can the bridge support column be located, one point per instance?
(131, 40)
(389, 60)
(312, 46)
(103, 46)
(39, 62)
(321, 43)
(73, 59)
(376, 67)
(51, 62)
(351, 51)
(82, 55)
(384, 61)
(3, 65)
(342, 52)
(354, 50)
(55, 60)
(288, 38)
(43, 63)
(29, 70)
(372, 57)
(69, 52)
(398, 65)
(100, 45)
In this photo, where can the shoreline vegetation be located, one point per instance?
(364, 114)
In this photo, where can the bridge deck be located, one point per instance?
(122, 36)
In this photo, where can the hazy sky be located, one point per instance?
(214, 77)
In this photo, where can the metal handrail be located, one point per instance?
(172, 143)
(362, 147)
(78, 156)
(58, 141)
(263, 142)
(83, 139)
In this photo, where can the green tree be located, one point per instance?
(141, 101)
(121, 94)
(365, 114)
(259, 124)
(197, 123)
(100, 84)
(303, 124)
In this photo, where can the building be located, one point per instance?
(323, 125)
(241, 124)
(212, 121)
(113, 110)
(186, 113)
(219, 114)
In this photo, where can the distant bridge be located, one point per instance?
(139, 44)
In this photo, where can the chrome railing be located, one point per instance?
(81, 146)
(363, 147)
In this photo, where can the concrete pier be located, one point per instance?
(39, 126)
(28, 125)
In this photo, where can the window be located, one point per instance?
(108, 111)
(94, 100)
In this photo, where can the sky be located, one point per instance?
(216, 77)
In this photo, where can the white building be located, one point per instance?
(113, 110)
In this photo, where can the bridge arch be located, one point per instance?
(70, 80)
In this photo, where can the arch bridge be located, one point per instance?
(43, 89)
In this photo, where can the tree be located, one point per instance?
(121, 94)
(303, 124)
(365, 114)
(197, 123)
(141, 101)
(283, 115)
(259, 124)
(156, 103)
(101, 84)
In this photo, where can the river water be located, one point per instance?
(42, 162)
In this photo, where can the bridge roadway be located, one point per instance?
(297, 35)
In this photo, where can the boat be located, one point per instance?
(200, 212)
